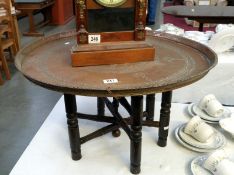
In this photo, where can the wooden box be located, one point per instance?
(112, 53)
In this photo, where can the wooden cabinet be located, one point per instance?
(62, 12)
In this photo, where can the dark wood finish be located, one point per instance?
(112, 53)
(29, 8)
(108, 119)
(73, 128)
(135, 152)
(100, 106)
(99, 132)
(231, 2)
(150, 102)
(118, 118)
(200, 28)
(203, 14)
(116, 133)
(164, 118)
(115, 103)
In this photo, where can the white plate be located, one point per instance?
(228, 125)
(185, 144)
(194, 110)
(216, 141)
(197, 168)
(222, 41)
(192, 114)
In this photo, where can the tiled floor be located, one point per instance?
(24, 106)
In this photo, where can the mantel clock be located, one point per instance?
(111, 3)
(111, 32)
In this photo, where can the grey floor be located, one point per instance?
(24, 106)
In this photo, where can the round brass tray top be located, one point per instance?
(178, 62)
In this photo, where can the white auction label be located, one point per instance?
(203, 2)
(110, 81)
(94, 39)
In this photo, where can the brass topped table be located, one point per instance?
(203, 14)
(178, 62)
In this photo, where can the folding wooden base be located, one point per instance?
(112, 53)
(136, 121)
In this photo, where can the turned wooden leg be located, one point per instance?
(135, 149)
(164, 118)
(150, 102)
(73, 127)
(117, 132)
(100, 106)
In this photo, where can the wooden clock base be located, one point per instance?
(112, 53)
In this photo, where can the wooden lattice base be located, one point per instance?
(137, 119)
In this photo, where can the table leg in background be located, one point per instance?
(200, 27)
(115, 103)
(32, 27)
(136, 134)
(73, 127)
(164, 118)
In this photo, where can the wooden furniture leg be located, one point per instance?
(200, 28)
(100, 106)
(135, 148)
(5, 65)
(164, 118)
(1, 80)
(32, 28)
(73, 127)
(150, 102)
(116, 133)
(17, 35)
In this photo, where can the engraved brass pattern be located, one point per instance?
(178, 62)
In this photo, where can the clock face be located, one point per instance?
(111, 3)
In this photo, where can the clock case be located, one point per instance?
(116, 47)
